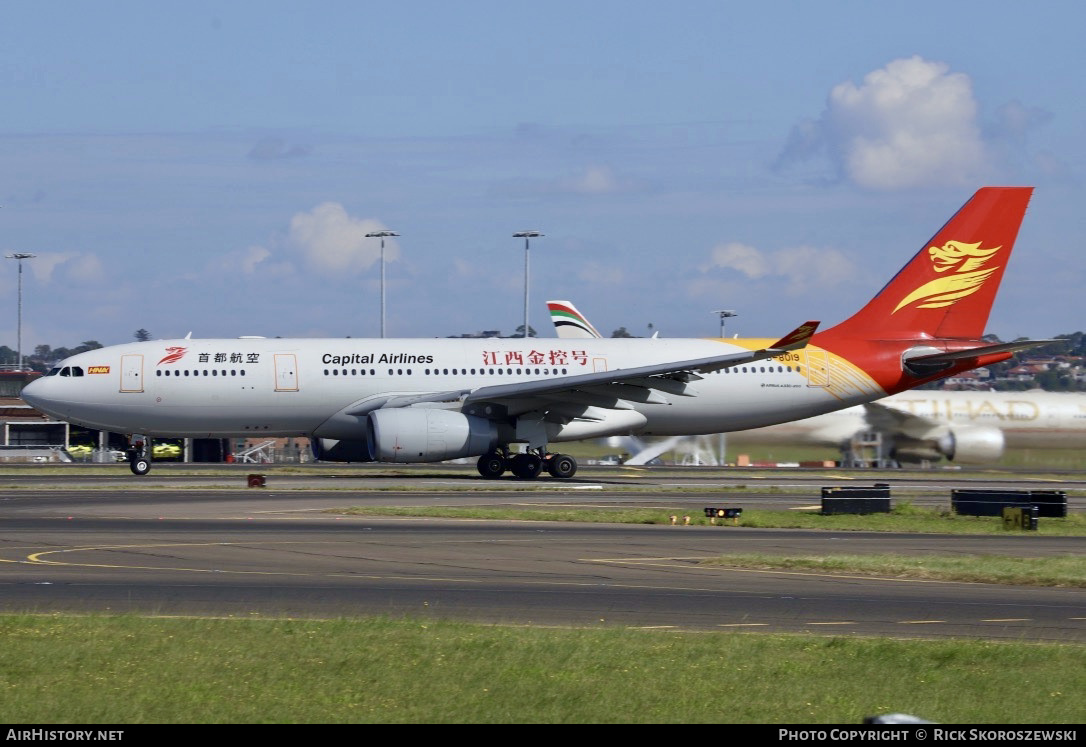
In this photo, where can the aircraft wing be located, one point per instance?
(891, 420)
(612, 389)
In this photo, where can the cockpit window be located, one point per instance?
(77, 371)
(66, 371)
(53, 371)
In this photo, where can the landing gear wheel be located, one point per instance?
(491, 466)
(140, 466)
(562, 466)
(527, 466)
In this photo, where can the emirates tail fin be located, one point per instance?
(570, 323)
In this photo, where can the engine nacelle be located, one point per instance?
(426, 434)
(963, 443)
(331, 450)
(974, 444)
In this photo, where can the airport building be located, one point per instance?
(27, 435)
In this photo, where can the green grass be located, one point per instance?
(128, 670)
(1061, 570)
(904, 518)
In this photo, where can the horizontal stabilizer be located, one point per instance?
(957, 355)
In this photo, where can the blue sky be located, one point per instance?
(213, 166)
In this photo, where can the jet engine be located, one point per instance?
(963, 443)
(426, 434)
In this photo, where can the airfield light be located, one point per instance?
(527, 236)
(20, 256)
(382, 235)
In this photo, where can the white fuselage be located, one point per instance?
(312, 387)
(1034, 419)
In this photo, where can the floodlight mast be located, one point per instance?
(527, 236)
(20, 256)
(725, 314)
(382, 235)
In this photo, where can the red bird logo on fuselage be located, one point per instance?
(173, 355)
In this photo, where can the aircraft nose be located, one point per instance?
(37, 395)
(28, 393)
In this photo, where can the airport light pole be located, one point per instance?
(382, 235)
(20, 256)
(527, 236)
(724, 314)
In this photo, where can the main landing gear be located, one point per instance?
(526, 466)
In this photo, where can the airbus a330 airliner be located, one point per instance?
(415, 400)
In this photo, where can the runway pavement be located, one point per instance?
(202, 544)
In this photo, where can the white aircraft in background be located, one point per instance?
(919, 426)
(428, 400)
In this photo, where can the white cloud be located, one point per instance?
(601, 273)
(251, 261)
(910, 124)
(252, 257)
(806, 267)
(797, 269)
(334, 243)
(69, 268)
(596, 180)
(735, 256)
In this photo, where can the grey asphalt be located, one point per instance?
(188, 545)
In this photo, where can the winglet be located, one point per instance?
(797, 338)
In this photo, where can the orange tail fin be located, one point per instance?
(947, 289)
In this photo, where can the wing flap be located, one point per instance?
(897, 422)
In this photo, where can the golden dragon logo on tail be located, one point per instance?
(967, 261)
